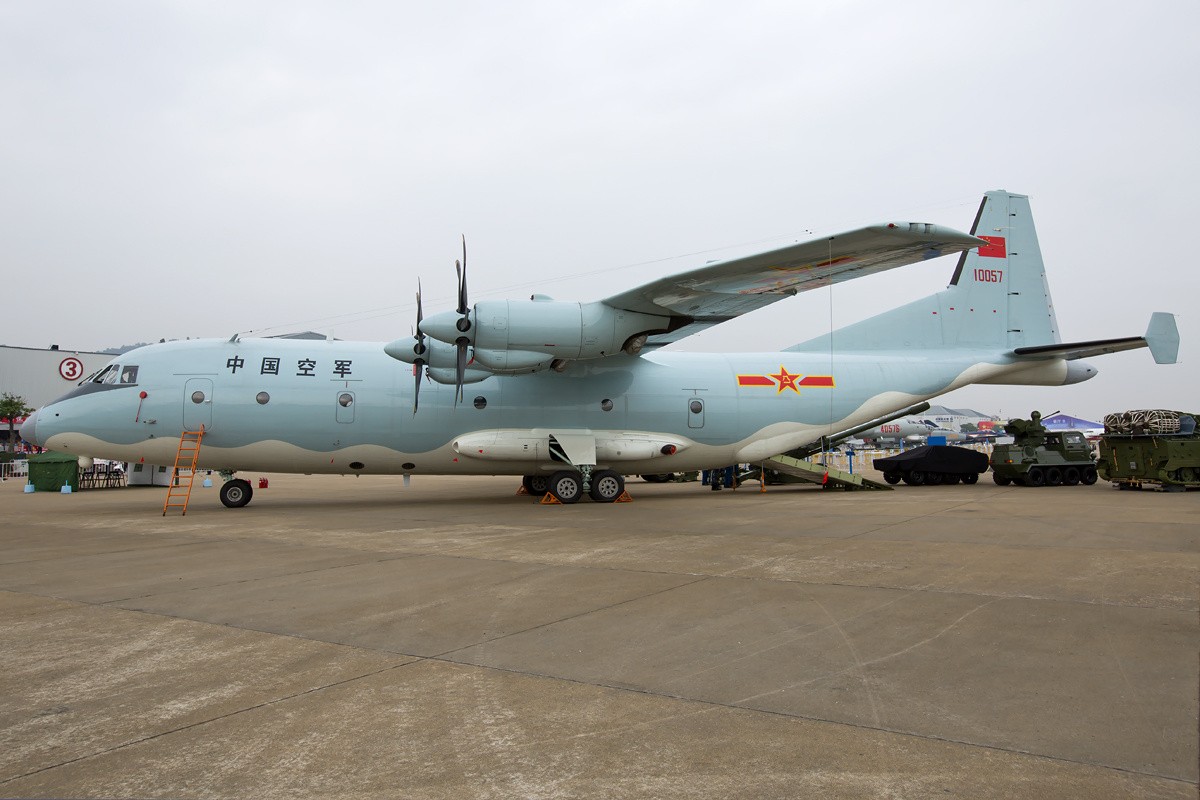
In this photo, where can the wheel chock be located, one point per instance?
(624, 498)
(550, 500)
(521, 490)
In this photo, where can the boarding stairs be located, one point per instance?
(829, 477)
(179, 491)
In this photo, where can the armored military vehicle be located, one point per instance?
(1038, 457)
(1151, 446)
(931, 465)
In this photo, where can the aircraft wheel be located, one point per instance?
(914, 477)
(1089, 476)
(1054, 476)
(948, 479)
(933, 478)
(892, 477)
(607, 486)
(536, 485)
(1070, 476)
(1001, 480)
(664, 478)
(1035, 477)
(236, 493)
(566, 486)
(970, 478)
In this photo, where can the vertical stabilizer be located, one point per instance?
(997, 298)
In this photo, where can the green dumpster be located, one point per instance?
(49, 471)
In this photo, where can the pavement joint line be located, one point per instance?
(609, 607)
(809, 718)
(163, 546)
(254, 579)
(198, 723)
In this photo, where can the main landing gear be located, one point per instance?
(567, 485)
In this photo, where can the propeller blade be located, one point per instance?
(461, 372)
(417, 369)
(461, 269)
(420, 316)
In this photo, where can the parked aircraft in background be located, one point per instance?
(912, 430)
(573, 396)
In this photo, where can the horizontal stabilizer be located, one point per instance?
(1162, 337)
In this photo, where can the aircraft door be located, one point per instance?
(344, 409)
(695, 412)
(197, 404)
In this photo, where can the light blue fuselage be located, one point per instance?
(346, 407)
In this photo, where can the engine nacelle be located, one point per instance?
(437, 354)
(449, 377)
(556, 330)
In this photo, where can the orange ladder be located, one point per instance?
(180, 489)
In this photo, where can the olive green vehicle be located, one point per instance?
(1151, 447)
(1038, 457)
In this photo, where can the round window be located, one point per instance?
(696, 406)
(481, 402)
(263, 398)
(197, 397)
(606, 404)
(345, 399)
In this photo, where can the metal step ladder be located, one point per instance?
(826, 476)
(180, 489)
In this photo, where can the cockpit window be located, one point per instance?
(129, 374)
(107, 375)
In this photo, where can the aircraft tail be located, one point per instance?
(997, 299)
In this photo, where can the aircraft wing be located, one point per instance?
(716, 293)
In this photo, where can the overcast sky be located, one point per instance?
(174, 169)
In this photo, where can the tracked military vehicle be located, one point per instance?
(1038, 457)
(1151, 447)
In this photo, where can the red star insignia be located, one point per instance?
(786, 380)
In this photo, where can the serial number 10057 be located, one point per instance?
(989, 275)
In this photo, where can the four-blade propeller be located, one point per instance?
(462, 325)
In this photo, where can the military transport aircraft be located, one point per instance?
(574, 396)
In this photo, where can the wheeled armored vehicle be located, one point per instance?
(1038, 457)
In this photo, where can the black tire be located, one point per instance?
(566, 485)
(949, 480)
(1001, 480)
(914, 477)
(1035, 477)
(933, 478)
(1089, 476)
(970, 478)
(1070, 476)
(536, 485)
(606, 486)
(1054, 476)
(236, 493)
(892, 477)
(658, 478)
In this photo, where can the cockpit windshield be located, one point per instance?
(114, 374)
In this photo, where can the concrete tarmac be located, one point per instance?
(350, 637)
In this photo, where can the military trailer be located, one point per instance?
(1038, 457)
(932, 465)
(1151, 447)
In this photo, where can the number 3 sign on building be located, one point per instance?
(71, 369)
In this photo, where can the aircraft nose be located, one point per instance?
(29, 429)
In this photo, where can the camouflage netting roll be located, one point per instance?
(1143, 421)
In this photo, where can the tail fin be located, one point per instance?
(998, 297)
